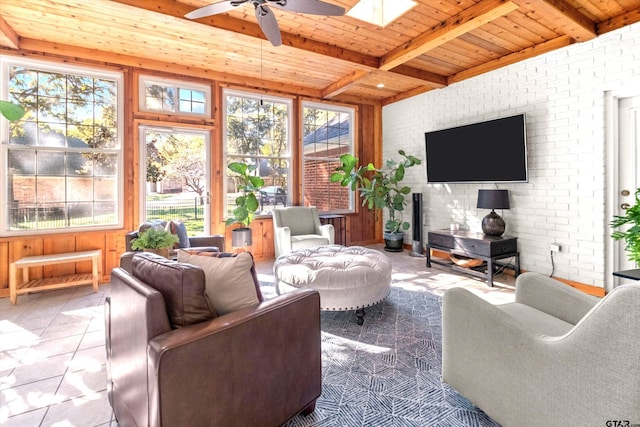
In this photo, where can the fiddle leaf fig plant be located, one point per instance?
(248, 184)
(631, 235)
(379, 187)
(11, 111)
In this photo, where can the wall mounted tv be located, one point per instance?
(490, 151)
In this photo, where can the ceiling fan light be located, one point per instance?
(380, 12)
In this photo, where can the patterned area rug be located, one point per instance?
(387, 372)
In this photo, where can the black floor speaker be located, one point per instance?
(418, 243)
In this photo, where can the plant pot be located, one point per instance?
(162, 252)
(241, 237)
(393, 241)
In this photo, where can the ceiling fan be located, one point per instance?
(266, 18)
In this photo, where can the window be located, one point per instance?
(176, 179)
(327, 134)
(257, 132)
(173, 96)
(62, 161)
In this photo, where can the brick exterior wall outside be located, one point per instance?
(318, 190)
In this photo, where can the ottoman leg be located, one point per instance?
(360, 314)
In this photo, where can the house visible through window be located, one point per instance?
(63, 159)
(327, 134)
(257, 132)
(174, 96)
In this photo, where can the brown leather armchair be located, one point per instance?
(258, 366)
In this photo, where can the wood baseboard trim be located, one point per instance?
(588, 289)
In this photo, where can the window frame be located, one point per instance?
(8, 61)
(351, 111)
(163, 127)
(289, 153)
(143, 79)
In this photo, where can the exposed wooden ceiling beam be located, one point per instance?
(168, 67)
(435, 80)
(355, 99)
(467, 20)
(8, 37)
(407, 95)
(344, 83)
(619, 21)
(568, 19)
(224, 22)
(530, 52)
(178, 10)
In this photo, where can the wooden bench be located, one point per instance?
(56, 282)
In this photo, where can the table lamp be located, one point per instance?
(493, 224)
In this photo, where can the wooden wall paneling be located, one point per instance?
(131, 155)
(54, 244)
(217, 167)
(347, 224)
(133, 199)
(266, 237)
(4, 260)
(362, 229)
(85, 242)
(257, 248)
(296, 152)
(22, 247)
(258, 241)
(114, 247)
(375, 142)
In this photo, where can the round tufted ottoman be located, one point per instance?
(347, 278)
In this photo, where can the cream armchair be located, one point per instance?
(299, 227)
(555, 357)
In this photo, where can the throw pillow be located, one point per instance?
(179, 229)
(231, 281)
(155, 223)
(182, 286)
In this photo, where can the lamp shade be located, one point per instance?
(493, 199)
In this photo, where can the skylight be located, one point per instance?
(380, 12)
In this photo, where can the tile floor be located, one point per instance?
(52, 356)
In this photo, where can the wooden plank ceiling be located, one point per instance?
(435, 44)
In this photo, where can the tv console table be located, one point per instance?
(473, 245)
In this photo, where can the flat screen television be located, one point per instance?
(490, 151)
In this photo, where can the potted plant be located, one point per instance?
(380, 188)
(155, 240)
(631, 235)
(246, 203)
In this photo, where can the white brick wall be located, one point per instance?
(562, 95)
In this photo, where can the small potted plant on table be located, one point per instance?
(155, 240)
(380, 188)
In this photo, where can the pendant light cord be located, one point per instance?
(261, 76)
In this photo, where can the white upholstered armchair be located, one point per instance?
(554, 357)
(298, 227)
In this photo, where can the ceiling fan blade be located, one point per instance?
(213, 9)
(268, 24)
(313, 7)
